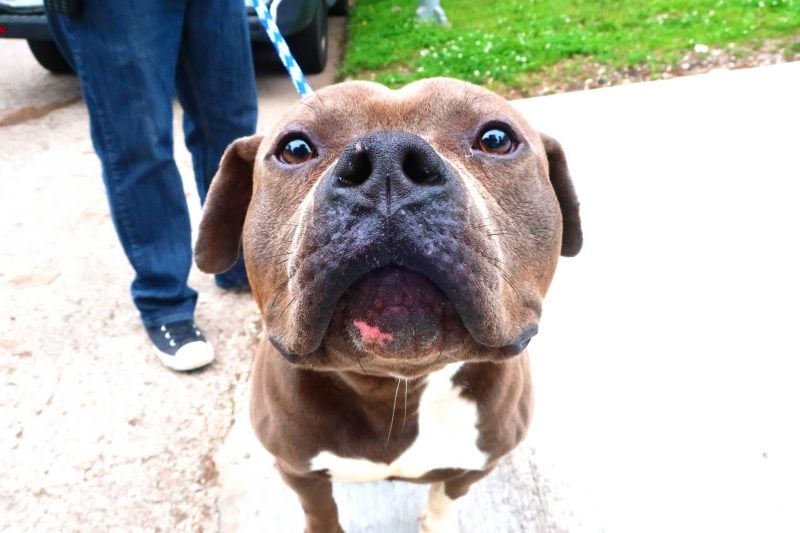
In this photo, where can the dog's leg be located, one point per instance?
(316, 497)
(441, 514)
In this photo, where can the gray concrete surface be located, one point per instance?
(666, 369)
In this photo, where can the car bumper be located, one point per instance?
(13, 26)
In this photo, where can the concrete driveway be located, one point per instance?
(668, 367)
(667, 370)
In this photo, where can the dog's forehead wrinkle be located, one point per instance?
(423, 108)
(311, 106)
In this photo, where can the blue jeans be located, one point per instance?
(132, 57)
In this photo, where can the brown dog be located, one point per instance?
(399, 244)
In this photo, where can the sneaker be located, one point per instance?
(180, 345)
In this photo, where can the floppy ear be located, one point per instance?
(572, 238)
(220, 234)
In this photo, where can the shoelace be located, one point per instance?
(180, 334)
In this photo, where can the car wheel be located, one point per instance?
(310, 45)
(49, 56)
(339, 8)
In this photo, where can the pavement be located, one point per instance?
(666, 370)
(668, 365)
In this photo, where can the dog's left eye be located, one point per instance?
(495, 140)
(296, 151)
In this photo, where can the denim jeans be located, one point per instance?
(132, 57)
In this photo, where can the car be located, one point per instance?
(303, 23)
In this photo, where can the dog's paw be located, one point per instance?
(432, 524)
(441, 513)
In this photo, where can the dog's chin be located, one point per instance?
(397, 315)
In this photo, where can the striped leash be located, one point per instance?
(282, 48)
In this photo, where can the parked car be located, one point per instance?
(303, 23)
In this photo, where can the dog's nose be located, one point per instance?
(387, 171)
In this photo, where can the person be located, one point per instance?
(132, 58)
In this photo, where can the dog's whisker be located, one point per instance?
(484, 223)
(497, 264)
(394, 406)
(493, 260)
(275, 255)
(405, 407)
(506, 277)
(285, 308)
(496, 233)
(278, 291)
(358, 360)
(292, 224)
(441, 352)
(282, 287)
(461, 338)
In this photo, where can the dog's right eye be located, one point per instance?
(495, 140)
(296, 150)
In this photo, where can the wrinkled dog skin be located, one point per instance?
(394, 240)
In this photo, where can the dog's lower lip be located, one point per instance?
(517, 347)
(290, 356)
(332, 285)
(395, 309)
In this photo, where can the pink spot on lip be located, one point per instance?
(372, 333)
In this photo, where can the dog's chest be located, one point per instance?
(447, 438)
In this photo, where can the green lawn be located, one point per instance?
(514, 46)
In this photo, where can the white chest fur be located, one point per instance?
(447, 438)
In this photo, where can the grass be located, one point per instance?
(515, 45)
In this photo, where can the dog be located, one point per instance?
(399, 244)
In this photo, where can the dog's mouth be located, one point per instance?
(415, 315)
(396, 313)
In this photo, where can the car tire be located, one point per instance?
(339, 8)
(49, 56)
(310, 45)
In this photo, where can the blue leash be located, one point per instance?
(282, 48)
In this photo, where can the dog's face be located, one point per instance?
(389, 232)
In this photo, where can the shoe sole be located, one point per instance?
(187, 362)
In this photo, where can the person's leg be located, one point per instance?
(126, 55)
(217, 89)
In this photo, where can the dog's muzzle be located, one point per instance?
(392, 254)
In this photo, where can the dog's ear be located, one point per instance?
(572, 238)
(220, 233)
